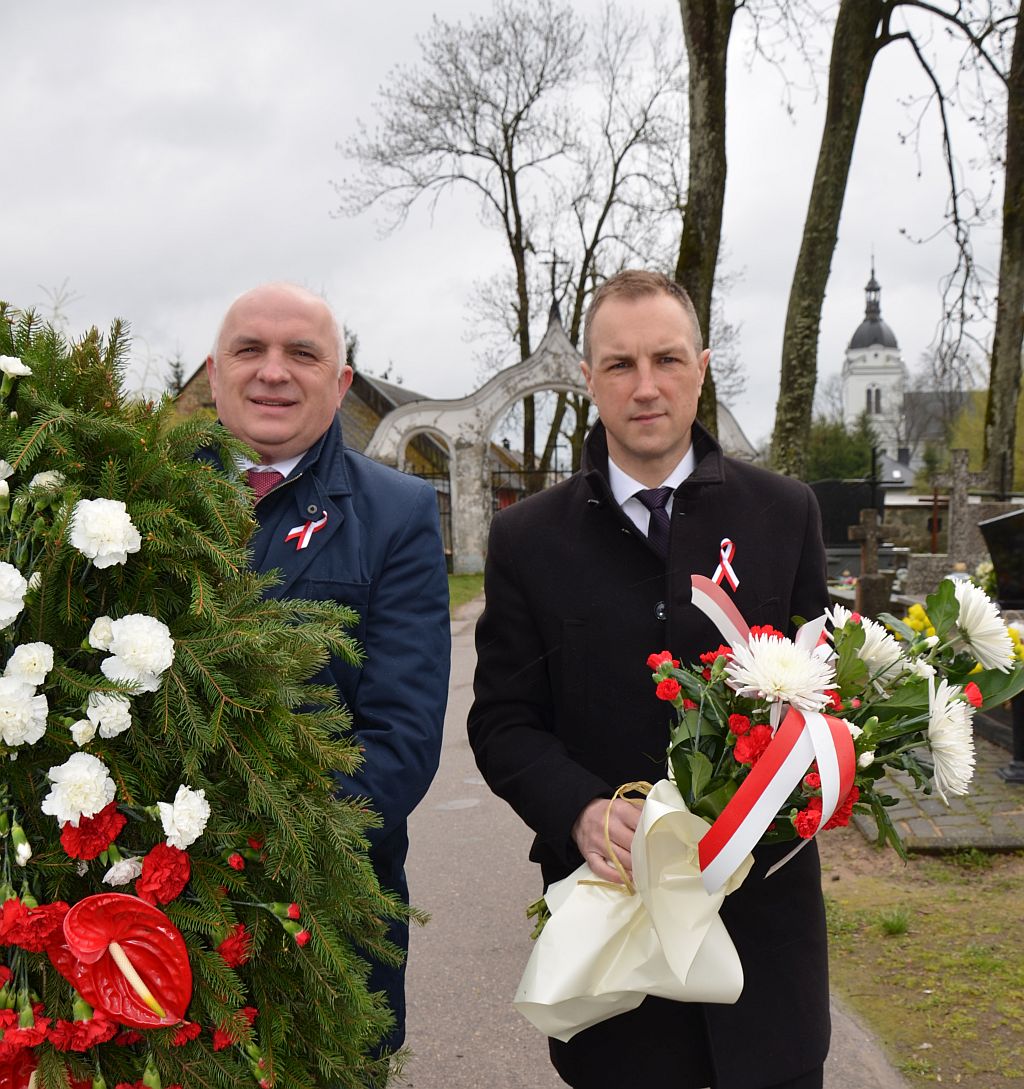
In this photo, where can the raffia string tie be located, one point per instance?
(627, 885)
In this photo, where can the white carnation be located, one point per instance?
(47, 481)
(866, 759)
(13, 588)
(22, 853)
(185, 818)
(83, 731)
(109, 712)
(141, 651)
(82, 786)
(102, 530)
(123, 872)
(22, 712)
(30, 662)
(101, 633)
(12, 365)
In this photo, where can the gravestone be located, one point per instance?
(965, 542)
(1005, 538)
(874, 588)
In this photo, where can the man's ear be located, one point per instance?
(344, 382)
(211, 374)
(585, 369)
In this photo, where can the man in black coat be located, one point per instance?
(583, 582)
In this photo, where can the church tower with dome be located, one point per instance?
(874, 376)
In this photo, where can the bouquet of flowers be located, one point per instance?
(181, 896)
(906, 691)
(775, 739)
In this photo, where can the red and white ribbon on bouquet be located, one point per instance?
(802, 736)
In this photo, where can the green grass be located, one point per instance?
(463, 588)
(930, 956)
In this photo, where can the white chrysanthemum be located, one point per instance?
(22, 712)
(982, 629)
(102, 530)
(12, 365)
(82, 786)
(13, 588)
(83, 731)
(30, 662)
(141, 651)
(778, 670)
(123, 872)
(879, 652)
(101, 633)
(950, 738)
(111, 713)
(185, 818)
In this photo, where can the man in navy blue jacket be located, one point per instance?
(341, 527)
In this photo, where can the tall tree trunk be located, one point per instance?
(1007, 342)
(707, 25)
(854, 47)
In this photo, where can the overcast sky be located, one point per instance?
(160, 159)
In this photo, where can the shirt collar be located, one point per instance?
(283, 467)
(624, 487)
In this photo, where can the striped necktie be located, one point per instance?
(654, 499)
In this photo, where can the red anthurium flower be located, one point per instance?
(16, 1068)
(126, 959)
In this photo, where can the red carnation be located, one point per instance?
(689, 705)
(812, 780)
(34, 928)
(235, 861)
(835, 700)
(221, 1039)
(655, 660)
(302, 937)
(81, 1035)
(711, 656)
(293, 911)
(234, 949)
(767, 630)
(5, 973)
(127, 1038)
(841, 817)
(668, 689)
(93, 834)
(189, 1030)
(807, 820)
(739, 724)
(973, 694)
(165, 872)
(751, 746)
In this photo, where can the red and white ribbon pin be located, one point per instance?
(301, 534)
(726, 553)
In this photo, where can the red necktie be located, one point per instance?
(262, 480)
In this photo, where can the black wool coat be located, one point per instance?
(565, 711)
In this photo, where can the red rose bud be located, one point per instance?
(668, 689)
(235, 861)
(973, 694)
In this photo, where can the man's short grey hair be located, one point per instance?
(634, 283)
(337, 328)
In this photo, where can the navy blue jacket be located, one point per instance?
(379, 552)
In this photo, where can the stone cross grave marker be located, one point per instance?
(873, 588)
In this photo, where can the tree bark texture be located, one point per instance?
(1008, 340)
(707, 25)
(854, 46)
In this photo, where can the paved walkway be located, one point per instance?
(468, 867)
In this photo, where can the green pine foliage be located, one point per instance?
(234, 716)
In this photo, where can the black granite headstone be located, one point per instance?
(841, 502)
(1004, 537)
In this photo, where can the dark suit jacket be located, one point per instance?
(565, 712)
(380, 552)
